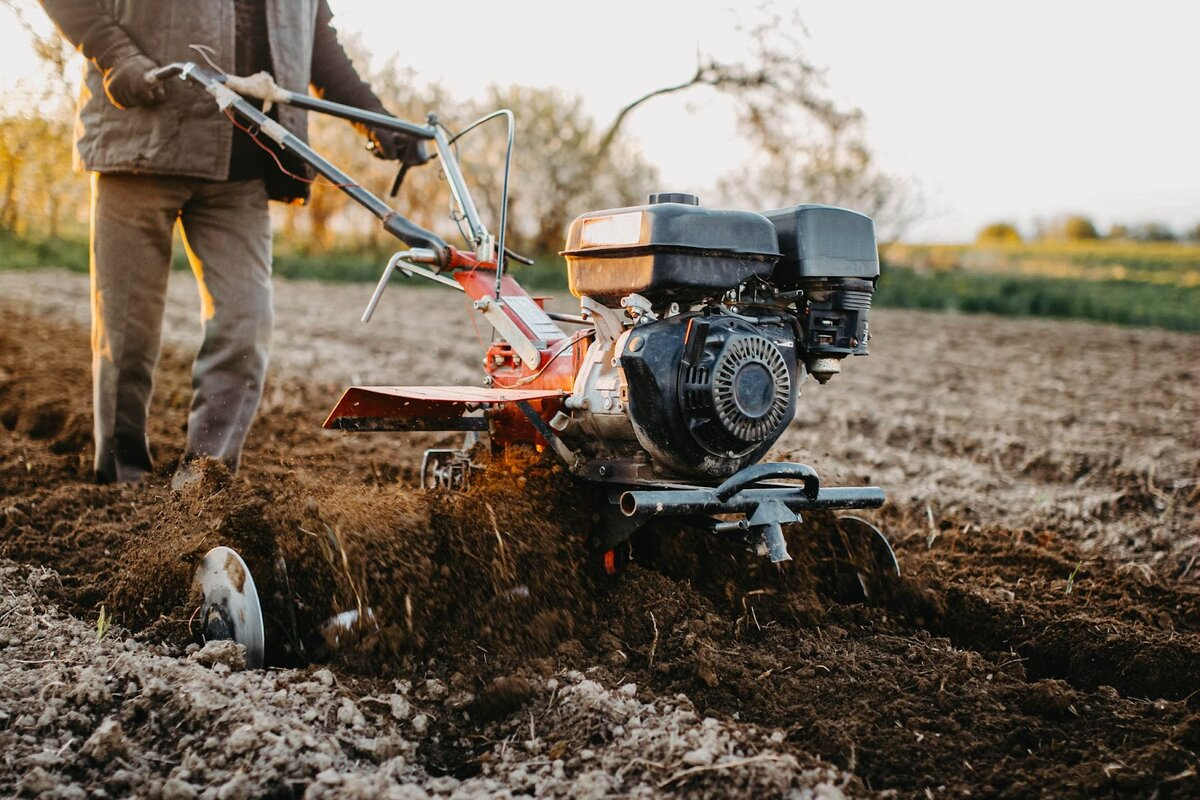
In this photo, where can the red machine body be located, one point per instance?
(509, 378)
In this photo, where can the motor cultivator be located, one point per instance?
(696, 329)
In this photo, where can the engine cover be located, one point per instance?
(709, 394)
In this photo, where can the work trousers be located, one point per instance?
(227, 234)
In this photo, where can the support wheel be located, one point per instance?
(230, 607)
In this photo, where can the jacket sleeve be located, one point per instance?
(333, 75)
(92, 30)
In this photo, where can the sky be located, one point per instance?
(1010, 110)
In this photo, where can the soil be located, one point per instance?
(1044, 639)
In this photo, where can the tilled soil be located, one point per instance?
(1043, 641)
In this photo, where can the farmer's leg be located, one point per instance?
(132, 219)
(227, 231)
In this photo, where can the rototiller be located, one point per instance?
(696, 328)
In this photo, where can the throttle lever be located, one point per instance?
(400, 173)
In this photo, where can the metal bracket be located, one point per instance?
(569, 456)
(493, 312)
(767, 522)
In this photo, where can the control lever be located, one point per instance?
(520, 259)
(400, 173)
(416, 254)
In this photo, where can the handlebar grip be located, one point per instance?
(414, 235)
(160, 74)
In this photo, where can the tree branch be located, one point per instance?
(614, 127)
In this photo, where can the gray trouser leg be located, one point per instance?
(132, 219)
(227, 230)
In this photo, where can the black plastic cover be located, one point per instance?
(666, 250)
(823, 242)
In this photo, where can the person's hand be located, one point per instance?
(126, 86)
(396, 146)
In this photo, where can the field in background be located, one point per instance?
(1126, 283)
(1129, 283)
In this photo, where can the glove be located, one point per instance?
(392, 145)
(126, 86)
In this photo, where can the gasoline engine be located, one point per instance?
(707, 323)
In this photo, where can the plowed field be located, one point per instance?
(1044, 640)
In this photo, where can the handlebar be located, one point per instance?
(228, 91)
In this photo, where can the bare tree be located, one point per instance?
(807, 147)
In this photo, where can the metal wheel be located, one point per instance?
(231, 609)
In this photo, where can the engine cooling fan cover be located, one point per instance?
(751, 387)
(741, 398)
(709, 393)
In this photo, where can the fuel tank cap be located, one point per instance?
(673, 197)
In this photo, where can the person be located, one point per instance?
(163, 153)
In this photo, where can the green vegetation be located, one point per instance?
(1120, 302)
(1127, 283)
(103, 623)
(21, 252)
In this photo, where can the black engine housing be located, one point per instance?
(708, 392)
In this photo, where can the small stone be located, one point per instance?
(325, 677)
(236, 788)
(330, 777)
(37, 781)
(401, 708)
(69, 791)
(348, 713)
(243, 739)
(106, 742)
(628, 689)
(47, 717)
(176, 789)
(420, 724)
(46, 758)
